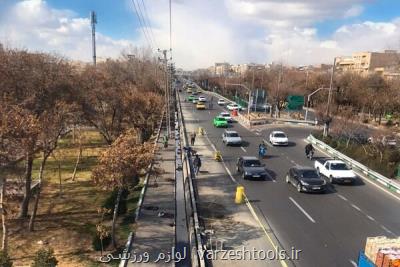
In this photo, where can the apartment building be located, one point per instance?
(365, 63)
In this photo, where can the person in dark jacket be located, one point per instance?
(197, 164)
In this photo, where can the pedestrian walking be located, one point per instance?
(197, 164)
(192, 138)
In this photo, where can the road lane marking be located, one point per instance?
(302, 210)
(243, 149)
(257, 133)
(353, 263)
(387, 230)
(356, 207)
(371, 218)
(268, 143)
(342, 197)
(360, 174)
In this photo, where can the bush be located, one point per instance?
(96, 242)
(394, 156)
(5, 260)
(389, 123)
(45, 258)
(365, 121)
(109, 202)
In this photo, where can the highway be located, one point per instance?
(329, 228)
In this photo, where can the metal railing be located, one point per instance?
(194, 229)
(388, 183)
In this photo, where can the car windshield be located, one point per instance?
(232, 135)
(224, 114)
(339, 167)
(309, 174)
(221, 100)
(252, 163)
(220, 119)
(280, 135)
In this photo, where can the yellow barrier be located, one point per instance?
(239, 195)
(217, 155)
(200, 131)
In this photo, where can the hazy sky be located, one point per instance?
(296, 32)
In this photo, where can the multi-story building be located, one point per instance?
(365, 63)
(222, 69)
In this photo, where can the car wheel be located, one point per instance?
(318, 171)
(244, 176)
(331, 180)
(237, 170)
(299, 188)
(287, 179)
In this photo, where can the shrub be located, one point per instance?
(389, 123)
(45, 258)
(394, 156)
(109, 202)
(5, 260)
(96, 242)
(365, 121)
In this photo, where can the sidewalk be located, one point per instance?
(230, 226)
(155, 231)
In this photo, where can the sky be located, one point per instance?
(295, 32)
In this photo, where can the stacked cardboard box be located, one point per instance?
(383, 251)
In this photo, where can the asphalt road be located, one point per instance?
(329, 228)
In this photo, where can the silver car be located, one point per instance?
(231, 138)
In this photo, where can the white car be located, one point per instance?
(231, 138)
(234, 106)
(227, 116)
(278, 138)
(221, 102)
(335, 170)
(202, 99)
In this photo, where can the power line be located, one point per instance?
(148, 20)
(145, 23)
(170, 27)
(142, 24)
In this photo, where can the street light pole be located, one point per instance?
(308, 100)
(248, 90)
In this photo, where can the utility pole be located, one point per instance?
(167, 91)
(327, 117)
(93, 21)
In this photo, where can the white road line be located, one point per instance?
(357, 208)
(361, 175)
(268, 143)
(342, 197)
(386, 230)
(353, 263)
(257, 133)
(302, 210)
(370, 218)
(243, 149)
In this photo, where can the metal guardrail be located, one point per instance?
(355, 164)
(196, 242)
(129, 243)
(259, 121)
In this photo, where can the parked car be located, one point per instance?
(231, 138)
(387, 140)
(227, 116)
(220, 122)
(233, 106)
(200, 105)
(202, 99)
(305, 179)
(278, 138)
(336, 170)
(221, 102)
(251, 167)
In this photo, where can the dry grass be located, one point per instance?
(68, 214)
